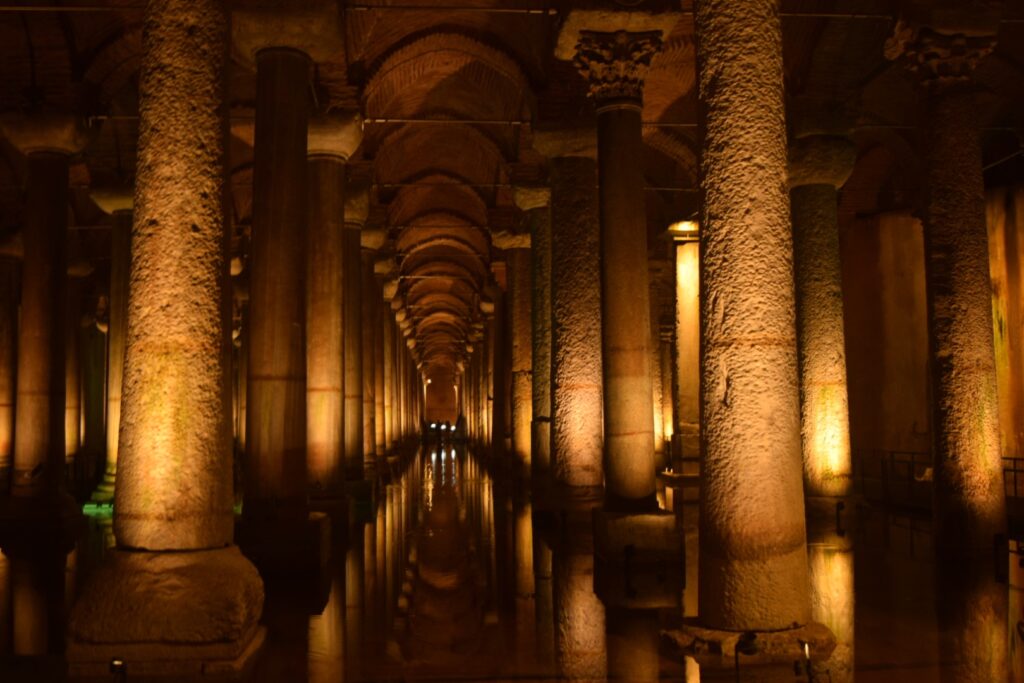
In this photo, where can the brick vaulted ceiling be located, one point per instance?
(452, 93)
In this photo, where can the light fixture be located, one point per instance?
(684, 230)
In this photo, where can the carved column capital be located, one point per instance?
(616, 63)
(939, 59)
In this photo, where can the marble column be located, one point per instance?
(9, 270)
(331, 141)
(536, 202)
(47, 142)
(520, 321)
(175, 594)
(275, 471)
(614, 65)
(118, 204)
(686, 398)
(969, 507)
(356, 206)
(577, 435)
(753, 559)
(368, 329)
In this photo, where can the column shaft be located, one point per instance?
(576, 387)
(325, 355)
(117, 327)
(687, 350)
(520, 318)
(73, 376)
(352, 312)
(540, 310)
(625, 310)
(174, 481)
(390, 378)
(8, 362)
(39, 416)
(753, 559)
(380, 416)
(369, 329)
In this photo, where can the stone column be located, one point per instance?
(368, 329)
(356, 208)
(536, 202)
(615, 65)
(686, 440)
(9, 270)
(969, 507)
(175, 596)
(390, 378)
(118, 204)
(818, 166)
(577, 436)
(580, 640)
(38, 473)
(275, 471)
(520, 320)
(330, 143)
(753, 559)
(379, 415)
(72, 376)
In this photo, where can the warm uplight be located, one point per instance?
(828, 440)
(684, 229)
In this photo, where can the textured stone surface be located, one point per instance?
(540, 310)
(174, 469)
(576, 401)
(828, 466)
(193, 598)
(520, 332)
(753, 565)
(352, 313)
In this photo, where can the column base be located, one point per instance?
(286, 550)
(638, 560)
(764, 656)
(104, 493)
(178, 616)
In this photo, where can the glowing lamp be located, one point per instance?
(684, 230)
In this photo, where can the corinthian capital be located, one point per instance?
(939, 59)
(615, 63)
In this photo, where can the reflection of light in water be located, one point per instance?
(832, 602)
(327, 638)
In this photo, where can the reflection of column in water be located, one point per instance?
(327, 630)
(579, 615)
(370, 577)
(354, 601)
(381, 565)
(832, 602)
(544, 603)
(1016, 614)
(632, 645)
(525, 583)
(70, 579)
(972, 628)
(37, 589)
(5, 605)
(392, 542)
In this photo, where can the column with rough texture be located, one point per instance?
(275, 471)
(753, 559)
(119, 205)
(577, 439)
(330, 143)
(614, 65)
(818, 165)
(379, 414)
(176, 596)
(969, 507)
(388, 347)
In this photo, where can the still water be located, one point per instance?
(451, 575)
